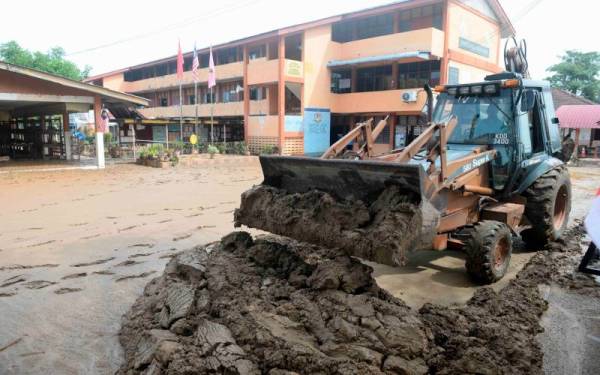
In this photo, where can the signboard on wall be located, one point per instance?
(293, 123)
(294, 68)
(317, 128)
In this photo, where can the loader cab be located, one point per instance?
(485, 116)
(512, 115)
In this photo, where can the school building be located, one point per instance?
(301, 87)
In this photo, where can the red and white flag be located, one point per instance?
(212, 77)
(195, 64)
(179, 63)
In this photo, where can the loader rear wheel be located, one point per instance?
(488, 250)
(548, 206)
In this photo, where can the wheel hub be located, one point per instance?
(500, 252)
(560, 207)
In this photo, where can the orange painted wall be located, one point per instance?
(465, 23)
(262, 71)
(377, 101)
(318, 50)
(116, 82)
(263, 126)
(429, 39)
(16, 83)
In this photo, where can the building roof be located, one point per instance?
(506, 29)
(579, 116)
(106, 94)
(562, 97)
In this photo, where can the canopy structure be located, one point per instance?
(413, 56)
(36, 109)
(579, 116)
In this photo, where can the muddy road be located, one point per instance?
(78, 247)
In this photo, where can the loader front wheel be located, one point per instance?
(488, 250)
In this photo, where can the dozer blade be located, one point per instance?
(342, 178)
(371, 209)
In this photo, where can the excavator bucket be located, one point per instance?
(371, 209)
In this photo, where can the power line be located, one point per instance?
(170, 27)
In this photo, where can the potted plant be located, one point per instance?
(212, 150)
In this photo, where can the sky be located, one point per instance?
(113, 34)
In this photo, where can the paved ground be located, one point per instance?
(77, 248)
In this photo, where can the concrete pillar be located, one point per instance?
(68, 145)
(246, 94)
(100, 163)
(281, 93)
(67, 135)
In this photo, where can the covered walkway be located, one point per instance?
(38, 112)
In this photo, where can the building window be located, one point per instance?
(473, 47)
(203, 60)
(407, 129)
(421, 18)
(293, 98)
(374, 79)
(293, 47)
(453, 76)
(258, 93)
(341, 81)
(227, 55)
(257, 52)
(192, 99)
(232, 92)
(413, 75)
(371, 27)
(164, 102)
(368, 27)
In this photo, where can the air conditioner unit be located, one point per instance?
(409, 96)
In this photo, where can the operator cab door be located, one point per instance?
(533, 129)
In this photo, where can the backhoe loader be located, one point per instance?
(487, 168)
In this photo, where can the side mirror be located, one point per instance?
(555, 120)
(528, 100)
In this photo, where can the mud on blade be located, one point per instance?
(369, 209)
(345, 179)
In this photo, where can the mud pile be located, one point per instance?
(276, 306)
(382, 231)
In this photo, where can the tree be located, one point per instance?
(578, 73)
(52, 61)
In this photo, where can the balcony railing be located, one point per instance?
(223, 72)
(377, 101)
(430, 39)
(204, 110)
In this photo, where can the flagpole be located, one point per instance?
(180, 112)
(212, 106)
(196, 105)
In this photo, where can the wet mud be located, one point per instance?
(382, 230)
(272, 305)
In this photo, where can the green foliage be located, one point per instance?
(578, 73)
(155, 151)
(108, 138)
(52, 61)
(237, 148)
(178, 145)
(202, 147)
(211, 149)
(269, 150)
(222, 147)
